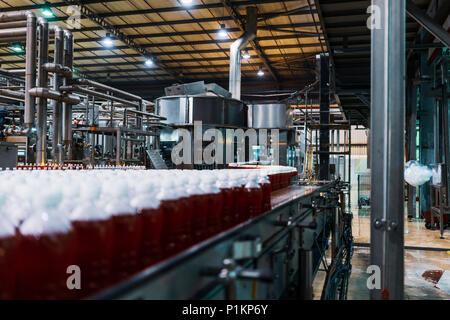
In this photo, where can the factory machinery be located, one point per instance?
(67, 119)
(276, 255)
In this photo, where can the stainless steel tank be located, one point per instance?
(269, 116)
(211, 109)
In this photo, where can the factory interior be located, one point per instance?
(224, 150)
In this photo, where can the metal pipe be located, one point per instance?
(429, 24)
(41, 145)
(8, 40)
(305, 277)
(55, 96)
(13, 24)
(59, 69)
(12, 94)
(235, 52)
(16, 71)
(67, 107)
(14, 32)
(57, 112)
(105, 96)
(30, 66)
(98, 85)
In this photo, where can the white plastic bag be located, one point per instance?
(416, 173)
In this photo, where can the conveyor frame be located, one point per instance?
(184, 276)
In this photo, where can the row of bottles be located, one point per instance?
(70, 166)
(112, 224)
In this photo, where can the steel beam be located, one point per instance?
(387, 149)
(428, 23)
(130, 43)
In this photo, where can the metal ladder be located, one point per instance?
(156, 160)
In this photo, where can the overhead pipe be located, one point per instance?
(41, 145)
(105, 87)
(14, 32)
(93, 93)
(57, 82)
(67, 107)
(16, 71)
(12, 94)
(55, 95)
(8, 40)
(13, 24)
(58, 68)
(235, 52)
(10, 75)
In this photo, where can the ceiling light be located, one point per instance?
(107, 41)
(223, 31)
(246, 55)
(47, 11)
(149, 62)
(186, 2)
(260, 72)
(17, 47)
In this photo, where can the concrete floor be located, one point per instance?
(433, 255)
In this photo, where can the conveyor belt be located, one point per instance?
(179, 277)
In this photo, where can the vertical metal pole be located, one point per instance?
(426, 130)
(332, 147)
(412, 117)
(387, 153)
(345, 158)
(445, 130)
(118, 146)
(436, 123)
(57, 106)
(41, 145)
(338, 149)
(350, 166)
(324, 156)
(305, 275)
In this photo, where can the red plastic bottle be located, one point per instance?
(267, 192)
(239, 198)
(148, 208)
(228, 198)
(215, 205)
(254, 197)
(8, 250)
(199, 210)
(45, 252)
(93, 238)
(187, 207)
(127, 239)
(173, 229)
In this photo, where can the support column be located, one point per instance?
(387, 152)
(324, 156)
(411, 118)
(426, 129)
